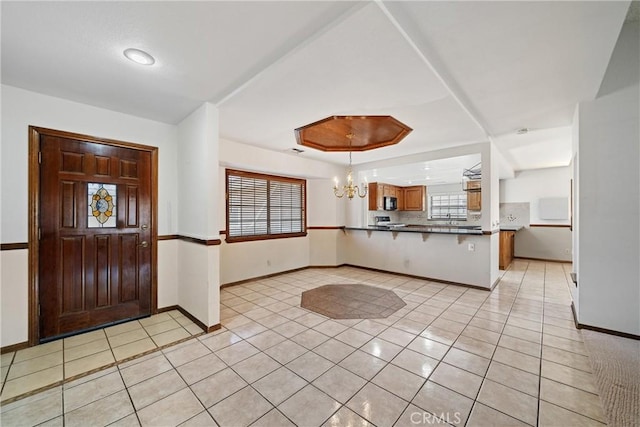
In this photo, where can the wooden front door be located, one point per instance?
(95, 234)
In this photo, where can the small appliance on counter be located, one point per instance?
(385, 221)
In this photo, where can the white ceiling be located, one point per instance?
(456, 72)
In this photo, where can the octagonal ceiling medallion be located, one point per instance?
(352, 133)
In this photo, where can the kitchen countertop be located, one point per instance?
(453, 229)
(511, 227)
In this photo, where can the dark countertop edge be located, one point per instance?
(417, 230)
(514, 228)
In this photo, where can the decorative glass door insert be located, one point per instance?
(102, 205)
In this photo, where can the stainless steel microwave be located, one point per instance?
(390, 203)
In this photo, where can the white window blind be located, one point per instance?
(264, 206)
(448, 206)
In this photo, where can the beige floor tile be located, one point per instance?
(170, 336)
(377, 405)
(83, 338)
(135, 373)
(35, 364)
(456, 379)
(310, 320)
(286, 351)
(443, 402)
(523, 346)
(258, 313)
(133, 348)
(273, 320)
(241, 408)
(309, 366)
(487, 324)
(209, 390)
(471, 345)
(289, 329)
(101, 412)
(33, 410)
(517, 360)
(484, 416)
(309, 406)
(171, 410)
(363, 364)
(236, 321)
(550, 414)
(565, 344)
(467, 361)
(567, 358)
(415, 362)
(248, 329)
(279, 385)
(334, 350)
(456, 316)
(127, 337)
(449, 325)
(567, 375)
(152, 390)
(509, 401)
(346, 417)
(354, 337)
(122, 328)
(571, 334)
(86, 349)
(192, 328)
(186, 352)
(339, 383)
(88, 392)
(399, 382)
(256, 367)
(236, 352)
(309, 339)
(330, 328)
(481, 334)
(7, 358)
(381, 349)
(200, 368)
(155, 319)
(525, 334)
(156, 328)
(219, 341)
(397, 336)
(412, 326)
(429, 348)
(203, 419)
(37, 351)
(515, 378)
(265, 340)
(571, 398)
(440, 335)
(54, 422)
(27, 383)
(370, 327)
(273, 418)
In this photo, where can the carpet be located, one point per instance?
(352, 301)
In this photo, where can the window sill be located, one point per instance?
(263, 237)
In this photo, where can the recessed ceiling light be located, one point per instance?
(139, 56)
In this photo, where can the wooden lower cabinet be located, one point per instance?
(507, 240)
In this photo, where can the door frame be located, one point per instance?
(34, 214)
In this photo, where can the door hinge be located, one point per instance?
(39, 233)
(40, 157)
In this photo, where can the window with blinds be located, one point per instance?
(264, 206)
(448, 206)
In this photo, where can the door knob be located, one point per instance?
(144, 226)
(144, 244)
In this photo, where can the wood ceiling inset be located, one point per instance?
(352, 133)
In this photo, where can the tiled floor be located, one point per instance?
(452, 354)
(36, 367)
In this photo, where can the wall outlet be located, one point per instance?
(471, 247)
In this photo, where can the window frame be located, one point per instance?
(268, 178)
(461, 195)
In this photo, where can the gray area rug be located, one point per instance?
(616, 366)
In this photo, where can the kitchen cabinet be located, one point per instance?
(414, 198)
(376, 195)
(507, 240)
(474, 195)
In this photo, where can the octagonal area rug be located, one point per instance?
(352, 301)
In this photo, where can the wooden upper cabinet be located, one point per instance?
(474, 195)
(376, 194)
(414, 198)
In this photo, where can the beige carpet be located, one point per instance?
(616, 365)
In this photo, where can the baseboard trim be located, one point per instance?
(191, 317)
(14, 347)
(266, 276)
(599, 329)
(542, 259)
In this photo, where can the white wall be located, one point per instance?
(608, 201)
(21, 108)
(198, 265)
(549, 243)
(245, 260)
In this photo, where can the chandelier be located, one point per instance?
(350, 190)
